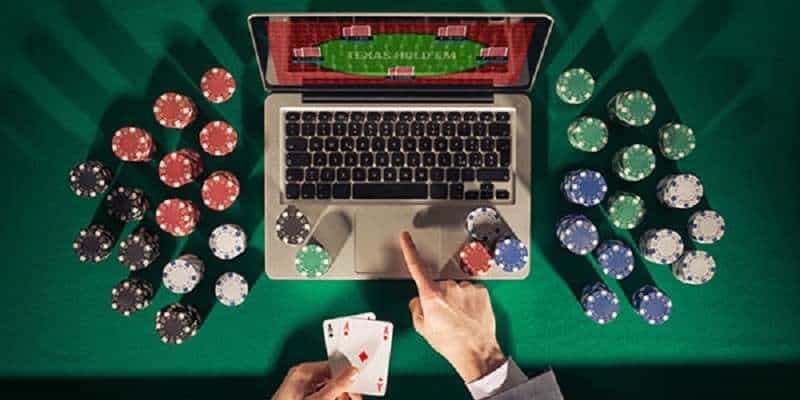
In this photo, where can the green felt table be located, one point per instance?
(73, 72)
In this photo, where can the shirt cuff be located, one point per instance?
(505, 377)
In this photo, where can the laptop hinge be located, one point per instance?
(417, 97)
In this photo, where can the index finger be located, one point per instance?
(418, 271)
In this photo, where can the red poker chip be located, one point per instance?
(180, 167)
(220, 190)
(174, 110)
(475, 259)
(218, 138)
(131, 143)
(177, 217)
(217, 85)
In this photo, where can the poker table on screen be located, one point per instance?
(73, 72)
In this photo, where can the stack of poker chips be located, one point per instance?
(577, 234)
(131, 295)
(587, 134)
(652, 304)
(626, 210)
(231, 289)
(312, 261)
(178, 217)
(676, 141)
(89, 178)
(138, 250)
(177, 322)
(227, 241)
(93, 244)
(706, 226)
(292, 226)
(218, 85)
(661, 246)
(488, 238)
(183, 274)
(510, 254)
(615, 258)
(127, 204)
(680, 191)
(174, 110)
(599, 303)
(180, 167)
(133, 144)
(695, 267)
(575, 86)
(633, 108)
(634, 163)
(220, 190)
(475, 259)
(218, 138)
(584, 187)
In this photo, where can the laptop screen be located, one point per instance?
(382, 51)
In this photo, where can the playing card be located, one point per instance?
(367, 345)
(330, 330)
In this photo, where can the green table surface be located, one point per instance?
(73, 72)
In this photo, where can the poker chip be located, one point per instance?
(217, 85)
(131, 295)
(599, 303)
(577, 234)
(680, 191)
(180, 167)
(587, 134)
(633, 108)
(483, 224)
(231, 289)
(626, 210)
(584, 187)
(139, 250)
(127, 204)
(174, 110)
(575, 86)
(676, 141)
(312, 260)
(183, 274)
(177, 322)
(706, 226)
(695, 267)
(475, 259)
(93, 244)
(661, 246)
(292, 226)
(634, 163)
(615, 258)
(134, 144)
(89, 178)
(510, 255)
(227, 241)
(652, 305)
(177, 217)
(220, 190)
(218, 138)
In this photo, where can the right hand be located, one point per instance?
(456, 319)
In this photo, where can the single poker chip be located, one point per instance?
(626, 210)
(584, 187)
(180, 167)
(231, 289)
(218, 85)
(587, 134)
(510, 255)
(177, 322)
(312, 260)
(127, 204)
(575, 86)
(484, 224)
(599, 303)
(132, 143)
(139, 250)
(227, 241)
(680, 191)
(183, 274)
(615, 258)
(661, 246)
(634, 108)
(220, 190)
(676, 141)
(695, 267)
(292, 226)
(634, 163)
(475, 259)
(177, 217)
(89, 178)
(577, 234)
(174, 110)
(131, 295)
(652, 305)
(93, 244)
(706, 226)
(218, 138)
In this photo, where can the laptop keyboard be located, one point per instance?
(397, 154)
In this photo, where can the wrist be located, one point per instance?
(480, 361)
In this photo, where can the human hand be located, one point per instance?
(456, 319)
(312, 381)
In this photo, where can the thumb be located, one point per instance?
(336, 386)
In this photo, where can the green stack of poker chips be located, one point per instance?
(632, 108)
(312, 260)
(676, 140)
(587, 134)
(626, 210)
(634, 163)
(575, 86)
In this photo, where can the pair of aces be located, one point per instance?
(363, 342)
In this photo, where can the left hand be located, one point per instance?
(313, 381)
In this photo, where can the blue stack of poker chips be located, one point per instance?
(584, 187)
(652, 304)
(615, 258)
(599, 303)
(577, 234)
(510, 254)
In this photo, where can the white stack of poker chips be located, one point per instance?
(227, 241)
(483, 224)
(231, 289)
(695, 267)
(706, 226)
(661, 246)
(680, 191)
(183, 274)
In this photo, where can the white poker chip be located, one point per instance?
(227, 241)
(183, 274)
(661, 246)
(680, 191)
(695, 267)
(706, 226)
(484, 224)
(292, 226)
(231, 289)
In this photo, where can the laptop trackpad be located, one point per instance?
(377, 230)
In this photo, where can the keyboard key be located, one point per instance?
(502, 194)
(350, 159)
(440, 144)
(366, 159)
(486, 195)
(453, 174)
(308, 129)
(428, 159)
(292, 116)
(371, 129)
(417, 129)
(308, 191)
(437, 116)
(362, 144)
(309, 116)
(357, 116)
(453, 116)
(343, 174)
(389, 116)
(292, 129)
(335, 159)
(316, 144)
(433, 129)
(294, 174)
(449, 129)
(296, 144)
(398, 159)
(471, 195)
(341, 116)
(327, 175)
(386, 129)
(373, 116)
(359, 174)
(339, 129)
(460, 159)
(323, 191)
(493, 175)
(406, 174)
(486, 187)
(471, 144)
(486, 116)
(292, 191)
(354, 129)
(503, 144)
(499, 129)
(421, 174)
(487, 144)
(502, 116)
(347, 144)
(324, 115)
(444, 160)
(312, 174)
(374, 174)
(421, 116)
(437, 174)
(425, 144)
(464, 129)
(480, 129)
(390, 174)
(320, 159)
(467, 174)
(406, 116)
(341, 190)
(394, 144)
(439, 191)
(490, 159)
(413, 159)
(409, 144)
(298, 159)
(402, 129)
(457, 191)
(456, 144)
(378, 144)
(403, 191)
(381, 159)
(470, 116)
(475, 159)
(323, 129)
(505, 158)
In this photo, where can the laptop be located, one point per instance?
(380, 123)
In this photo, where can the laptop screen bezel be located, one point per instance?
(543, 24)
